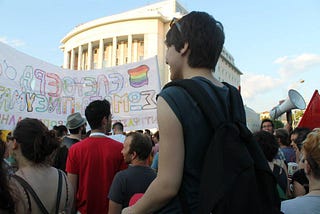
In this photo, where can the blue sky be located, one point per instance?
(275, 43)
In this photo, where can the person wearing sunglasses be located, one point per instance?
(194, 44)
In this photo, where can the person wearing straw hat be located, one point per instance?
(76, 125)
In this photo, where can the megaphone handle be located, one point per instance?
(289, 117)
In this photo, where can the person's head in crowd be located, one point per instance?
(267, 125)
(98, 115)
(155, 137)
(316, 130)
(7, 204)
(33, 142)
(9, 141)
(311, 157)
(76, 124)
(147, 132)
(197, 34)
(282, 136)
(61, 130)
(117, 128)
(306, 180)
(297, 136)
(140, 131)
(268, 144)
(136, 147)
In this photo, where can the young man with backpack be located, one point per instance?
(184, 184)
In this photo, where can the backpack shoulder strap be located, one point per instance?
(200, 95)
(29, 189)
(235, 100)
(276, 170)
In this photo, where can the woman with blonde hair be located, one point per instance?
(42, 188)
(308, 203)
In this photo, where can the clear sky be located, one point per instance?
(275, 43)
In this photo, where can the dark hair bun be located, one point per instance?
(36, 141)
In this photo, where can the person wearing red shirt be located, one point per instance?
(93, 162)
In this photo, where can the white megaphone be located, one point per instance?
(294, 101)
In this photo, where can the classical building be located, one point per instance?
(130, 37)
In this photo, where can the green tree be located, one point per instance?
(296, 117)
(278, 124)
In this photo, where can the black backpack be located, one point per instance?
(236, 177)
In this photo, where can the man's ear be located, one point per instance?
(307, 168)
(185, 48)
(14, 144)
(134, 155)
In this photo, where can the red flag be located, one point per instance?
(311, 117)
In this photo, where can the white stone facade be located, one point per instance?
(130, 37)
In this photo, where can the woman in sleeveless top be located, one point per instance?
(40, 187)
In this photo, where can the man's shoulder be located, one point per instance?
(69, 141)
(298, 205)
(118, 137)
(133, 168)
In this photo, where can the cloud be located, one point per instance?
(291, 65)
(253, 84)
(14, 42)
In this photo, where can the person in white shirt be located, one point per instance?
(117, 130)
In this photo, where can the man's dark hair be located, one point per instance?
(75, 131)
(118, 126)
(156, 135)
(96, 111)
(283, 135)
(140, 144)
(204, 36)
(61, 130)
(265, 121)
(268, 143)
(301, 133)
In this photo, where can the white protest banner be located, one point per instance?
(30, 87)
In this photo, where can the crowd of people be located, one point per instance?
(105, 170)
(81, 171)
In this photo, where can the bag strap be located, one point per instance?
(67, 190)
(29, 189)
(198, 93)
(59, 191)
(276, 170)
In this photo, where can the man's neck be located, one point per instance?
(98, 131)
(117, 132)
(75, 136)
(139, 163)
(202, 72)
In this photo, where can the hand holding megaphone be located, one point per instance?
(294, 101)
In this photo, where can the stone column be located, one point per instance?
(129, 48)
(80, 58)
(110, 48)
(72, 59)
(114, 50)
(89, 55)
(66, 59)
(100, 56)
(121, 54)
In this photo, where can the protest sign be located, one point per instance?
(30, 87)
